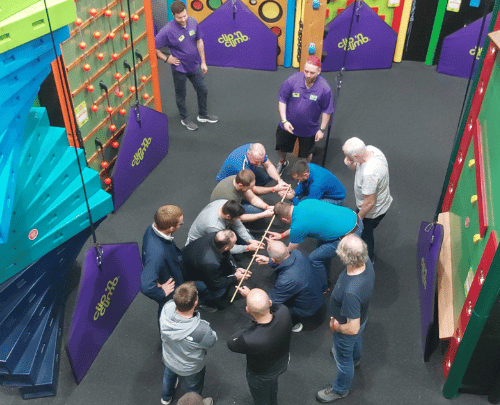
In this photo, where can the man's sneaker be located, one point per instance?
(163, 402)
(208, 118)
(297, 327)
(329, 395)
(281, 166)
(208, 401)
(189, 124)
(208, 309)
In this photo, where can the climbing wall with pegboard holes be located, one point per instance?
(271, 12)
(388, 10)
(99, 66)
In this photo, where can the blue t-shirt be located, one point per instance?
(236, 161)
(351, 295)
(321, 184)
(320, 220)
(182, 43)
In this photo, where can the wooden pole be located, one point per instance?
(258, 248)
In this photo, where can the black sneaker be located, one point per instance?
(189, 124)
(329, 395)
(206, 308)
(280, 167)
(208, 118)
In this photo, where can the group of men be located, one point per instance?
(204, 274)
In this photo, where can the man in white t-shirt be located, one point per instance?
(371, 186)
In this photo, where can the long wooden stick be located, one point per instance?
(258, 248)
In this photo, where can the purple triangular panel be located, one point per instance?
(241, 42)
(430, 238)
(372, 41)
(458, 49)
(144, 145)
(103, 299)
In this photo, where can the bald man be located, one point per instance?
(253, 156)
(266, 343)
(298, 284)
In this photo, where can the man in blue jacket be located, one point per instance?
(298, 284)
(161, 269)
(315, 182)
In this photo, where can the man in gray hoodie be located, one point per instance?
(185, 340)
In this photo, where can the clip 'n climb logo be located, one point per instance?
(101, 306)
(475, 52)
(354, 42)
(231, 40)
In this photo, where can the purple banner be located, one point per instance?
(144, 145)
(459, 49)
(370, 46)
(103, 298)
(428, 248)
(241, 42)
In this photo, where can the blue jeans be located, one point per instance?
(192, 383)
(249, 208)
(322, 256)
(346, 352)
(261, 176)
(196, 78)
(209, 297)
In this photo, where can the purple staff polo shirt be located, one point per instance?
(182, 43)
(304, 106)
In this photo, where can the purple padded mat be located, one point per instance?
(371, 43)
(240, 42)
(459, 49)
(144, 145)
(428, 248)
(103, 298)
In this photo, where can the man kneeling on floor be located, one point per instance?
(185, 340)
(298, 285)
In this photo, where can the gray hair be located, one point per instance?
(354, 147)
(352, 250)
(257, 150)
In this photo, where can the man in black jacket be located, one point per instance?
(266, 343)
(208, 263)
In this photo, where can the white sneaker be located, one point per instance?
(208, 401)
(297, 327)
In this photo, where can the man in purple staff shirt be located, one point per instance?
(187, 60)
(303, 98)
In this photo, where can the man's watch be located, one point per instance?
(322, 130)
(168, 56)
(284, 121)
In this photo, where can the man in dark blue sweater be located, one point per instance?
(161, 269)
(298, 284)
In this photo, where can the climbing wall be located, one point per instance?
(99, 71)
(471, 199)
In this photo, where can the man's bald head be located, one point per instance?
(258, 303)
(277, 251)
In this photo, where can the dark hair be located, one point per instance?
(223, 238)
(245, 177)
(185, 296)
(282, 209)
(177, 7)
(300, 168)
(233, 209)
(167, 216)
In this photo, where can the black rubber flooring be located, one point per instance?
(411, 113)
